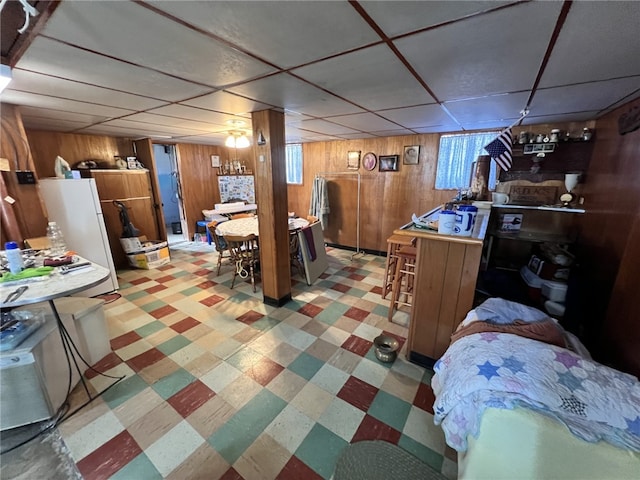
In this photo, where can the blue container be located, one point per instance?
(465, 219)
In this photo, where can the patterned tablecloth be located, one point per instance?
(248, 226)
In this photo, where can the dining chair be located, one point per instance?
(245, 255)
(294, 252)
(219, 242)
(241, 215)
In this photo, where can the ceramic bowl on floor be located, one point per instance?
(386, 348)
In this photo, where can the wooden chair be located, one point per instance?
(241, 215)
(245, 256)
(219, 242)
(294, 252)
(312, 219)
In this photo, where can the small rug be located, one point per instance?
(378, 460)
(109, 297)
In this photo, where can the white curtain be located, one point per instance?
(456, 156)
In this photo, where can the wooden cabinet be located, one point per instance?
(445, 281)
(133, 189)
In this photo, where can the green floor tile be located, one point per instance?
(172, 384)
(320, 450)
(139, 468)
(124, 390)
(306, 365)
(238, 297)
(173, 345)
(187, 292)
(381, 310)
(421, 452)
(331, 313)
(150, 307)
(390, 410)
(265, 323)
(180, 273)
(150, 328)
(135, 296)
(356, 292)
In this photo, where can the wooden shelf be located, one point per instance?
(548, 208)
(535, 237)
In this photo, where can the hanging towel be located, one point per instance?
(311, 246)
(320, 201)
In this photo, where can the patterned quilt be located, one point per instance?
(505, 371)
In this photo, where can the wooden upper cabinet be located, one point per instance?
(133, 189)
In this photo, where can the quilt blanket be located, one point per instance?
(505, 371)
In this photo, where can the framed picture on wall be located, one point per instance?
(411, 155)
(388, 163)
(353, 160)
(215, 161)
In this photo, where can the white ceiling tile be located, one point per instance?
(211, 118)
(392, 133)
(505, 107)
(178, 51)
(373, 78)
(287, 92)
(582, 97)
(322, 126)
(416, 117)
(152, 127)
(47, 114)
(366, 122)
(126, 131)
(400, 17)
(479, 56)
(356, 136)
(46, 85)
(40, 123)
(214, 139)
(53, 58)
(562, 117)
(599, 41)
(226, 102)
(285, 33)
(171, 121)
(63, 105)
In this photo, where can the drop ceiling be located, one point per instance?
(180, 71)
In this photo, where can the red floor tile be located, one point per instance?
(106, 363)
(296, 469)
(310, 310)
(145, 359)
(203, 272)
(185, 324)
(377, 290)
(124, 340)
(324, 276)
(424, 398)
(356, 313)
(340, 287)
(109, 457)
(206, 285)
(155, 288)
(357, 345)
(162, 311)
(166, 278)
(356, 276)
(358, 393)
(199, 262)
(140, 280)
(373, 429)
(212, 300)
(231, 474)
(164, 268)
(264, 371)
(250, 317)
(190, 398)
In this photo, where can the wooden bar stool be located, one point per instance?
(394, 242)
(402, 289)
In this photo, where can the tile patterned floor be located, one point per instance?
(220, 385)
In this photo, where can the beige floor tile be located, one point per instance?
(202, 364)
(137, 406)
(210, 340)
(287, 385)
(158, 370)
(240, 391)
(197, 332)
(401, 386)
(214, 413)
(312, 401)
(263, 460)
(161, 336)
(284, 354)
(203, 464)
(152, 426)
(345, 360)
(347, 324)
(322, 349)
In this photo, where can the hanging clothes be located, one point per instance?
(319, 206)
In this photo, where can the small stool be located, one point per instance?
(203, 224)
(394, 242)
(403, 279)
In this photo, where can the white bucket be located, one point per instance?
(446, 222)
(465, 219)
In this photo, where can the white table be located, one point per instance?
(226, 209)
(247, 226)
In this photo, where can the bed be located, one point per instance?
(518, 397)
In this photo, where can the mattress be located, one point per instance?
(522, 444)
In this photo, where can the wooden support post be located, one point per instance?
(271, 197)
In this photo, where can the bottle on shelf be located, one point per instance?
(56, 239)
(14, 257)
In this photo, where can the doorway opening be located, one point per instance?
(170, 192)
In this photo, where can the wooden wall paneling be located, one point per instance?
(74, 148)
(28, 214)
(144, 153)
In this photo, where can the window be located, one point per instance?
(456, 156)
(293, 155)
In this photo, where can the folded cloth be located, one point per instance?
(26, 273)
(308, 236)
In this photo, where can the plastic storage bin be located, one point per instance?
(533, 281)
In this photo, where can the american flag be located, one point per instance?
(500, 149)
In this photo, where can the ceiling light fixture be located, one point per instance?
(237, 139)
(5, 76)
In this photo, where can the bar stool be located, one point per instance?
(203, 224)
(394, 242)
(402, 289)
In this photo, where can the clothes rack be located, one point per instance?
(325, 174)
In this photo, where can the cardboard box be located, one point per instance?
(150, 259)
(140, 244)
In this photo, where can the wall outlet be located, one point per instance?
(26, 177)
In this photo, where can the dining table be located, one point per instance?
(249, 226)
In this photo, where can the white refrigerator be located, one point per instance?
(75, 206)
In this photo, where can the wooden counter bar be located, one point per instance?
(446, 273)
